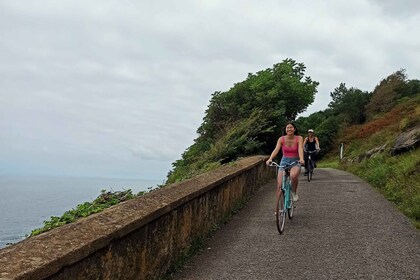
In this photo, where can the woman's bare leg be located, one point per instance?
(294, 176)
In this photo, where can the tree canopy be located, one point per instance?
(349, 104)
(386, 93)
(248, 118)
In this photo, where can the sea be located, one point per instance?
(27, 201)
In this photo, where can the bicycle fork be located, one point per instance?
(286, 189)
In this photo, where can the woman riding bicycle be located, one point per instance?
(311, 143)
(292, 147)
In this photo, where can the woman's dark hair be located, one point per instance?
(296, 130)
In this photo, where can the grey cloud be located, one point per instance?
(398, 8)
(118, 87)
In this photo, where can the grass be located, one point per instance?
(397, 178)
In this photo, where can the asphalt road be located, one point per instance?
(342, 229)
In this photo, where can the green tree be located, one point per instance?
(386, 93)
(349, 104)
(248, 118)
(312, 121)
(327, 132)
(411, 88)
(325, 124)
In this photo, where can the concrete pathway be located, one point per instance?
(342, 229)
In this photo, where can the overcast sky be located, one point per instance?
(119, 88)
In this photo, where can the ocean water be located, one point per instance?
(25, 202)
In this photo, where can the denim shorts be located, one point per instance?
(287, 161)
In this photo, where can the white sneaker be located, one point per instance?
(295, 197)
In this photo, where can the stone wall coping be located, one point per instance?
(47, 253)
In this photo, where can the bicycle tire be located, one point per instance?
(309, 165)
(280, 213)
(289, 197)
(291, 210)
(311, 173)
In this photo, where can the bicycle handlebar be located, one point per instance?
(274, 164)
(284, 167)
(311, 152)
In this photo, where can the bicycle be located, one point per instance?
(310, 164)
(284, 202)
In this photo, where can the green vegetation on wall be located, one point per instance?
(105, 200)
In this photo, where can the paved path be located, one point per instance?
(342, 229)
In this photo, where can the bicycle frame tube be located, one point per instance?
(285, 186)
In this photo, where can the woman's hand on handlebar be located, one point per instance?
(268, 162)
(302, 162)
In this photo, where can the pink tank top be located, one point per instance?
(290, 152)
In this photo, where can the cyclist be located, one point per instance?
(292, 147)
(311, 143)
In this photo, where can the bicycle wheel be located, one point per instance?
(290, 205)
(280, 213)
(310, 174)
(309, 165)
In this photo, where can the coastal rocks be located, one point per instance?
(406, 141)
(369, 154)
(373, 152)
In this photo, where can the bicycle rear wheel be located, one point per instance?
(280, 213)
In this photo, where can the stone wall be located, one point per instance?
(140, 238)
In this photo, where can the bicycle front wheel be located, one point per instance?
(310, 168)
(291, 207)
(311, 173)
(280, 213)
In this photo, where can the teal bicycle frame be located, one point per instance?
(284, 199)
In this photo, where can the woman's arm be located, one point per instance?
(304, 142)
(275, 151)
(300, 150)
(317, 143)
